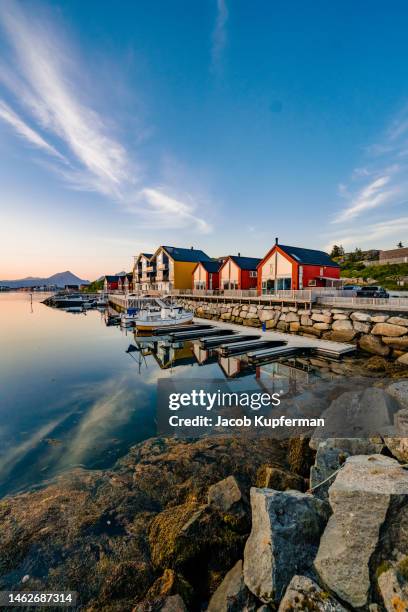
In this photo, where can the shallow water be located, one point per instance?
(71, 394)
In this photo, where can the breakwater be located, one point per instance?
(377, 333)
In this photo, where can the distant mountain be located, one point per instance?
(60, 280)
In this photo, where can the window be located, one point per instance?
(321, 271)
(252, 273)
(283, 284)
(312, 283)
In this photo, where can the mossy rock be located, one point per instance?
(195, 541)
(171, 583)
(127, 579)
(275, 478)
(300, 456)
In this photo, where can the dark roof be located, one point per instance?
(246, 263)
(186, 254)
(211, 266)
(309, 256)
(148, 255)
(112, 278)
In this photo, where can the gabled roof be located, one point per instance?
(308, 256)
(211, 266)
(179, 254)
(148, 255)
(245, 263)
(112, 278)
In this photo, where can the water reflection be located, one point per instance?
(77, 390)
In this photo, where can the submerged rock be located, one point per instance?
(304, 594)
(286, 528)
(399, 390)
(367, 492)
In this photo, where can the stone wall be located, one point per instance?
(379, 334)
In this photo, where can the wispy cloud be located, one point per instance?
(24, 130)
(372, 195)
(219, 36)
(172, 211)
(371, 234)
(46, 84)
(380, 185)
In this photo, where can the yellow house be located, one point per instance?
(174, 267)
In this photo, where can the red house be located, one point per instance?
(110, 283)
(206, 275)
(287, 267)
(238, 272)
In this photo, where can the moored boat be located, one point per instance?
(150, 322)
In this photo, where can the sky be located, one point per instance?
(217, 124)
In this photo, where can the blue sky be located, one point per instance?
(218, 124)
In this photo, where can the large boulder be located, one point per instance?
(304, 594)
(342, 325)
(331, 455)
(363, 328)
(360, 316)
(322, 318)
(232, 595)
(359, 414)
(398, 321)
(373, 344)
(286, 529)
(368, 491)
(340, 335)
(393, 586)
(388, 329)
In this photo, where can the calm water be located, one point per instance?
(71, 394)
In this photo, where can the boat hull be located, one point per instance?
(152, 325)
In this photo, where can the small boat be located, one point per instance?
(167, 317)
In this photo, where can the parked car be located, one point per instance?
(373, 291)
(351, 289)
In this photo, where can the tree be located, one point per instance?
(337, 251)
(400, 245)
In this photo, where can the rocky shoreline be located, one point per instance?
(227, 523)
(383, 334)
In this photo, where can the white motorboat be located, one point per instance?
(149, 313)
(167, 317)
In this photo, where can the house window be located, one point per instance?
(252, 273)
(321, 271)
(283, 284)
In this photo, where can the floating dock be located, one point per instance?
(212, 342)
(160, 331)
(189, 335)
(234, 340)
(244, 346)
